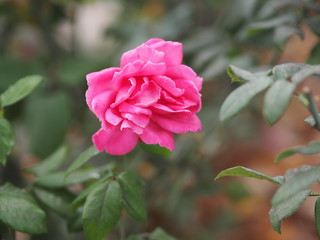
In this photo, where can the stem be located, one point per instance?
(122, 230)
(314, 195)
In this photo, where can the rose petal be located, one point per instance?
(101, 102)
(130, 125)
(152, 69)
(159, 108)
(192, 96)
(177, 101)
(154, 134)
(136, 69)
(113, 117)
(184, 72)
(101, 78)
(149, 94)
(143, 53)
(178, 122)
(129, 108)
(139, 119)
(115, 141)
(125, 91)
(173, 50)
(169, 85)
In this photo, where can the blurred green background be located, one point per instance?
(64, 40)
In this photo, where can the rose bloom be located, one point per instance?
(148, 98)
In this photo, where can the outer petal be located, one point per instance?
(144, 53)
(154, 134)
(115, 141)
(136, 69)
(100, 103)
(172, 50)
(178, 122)
(101, 78)
(99, 82)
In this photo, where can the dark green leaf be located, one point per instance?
(48, 118)
(7, 140)
(73, 71)
(277, 99)
(295, 184)
(134, 203)
(270, 23)
(311, 148)
(156, 149)
(239, 75)
(20, 212)
(246, 172)
(57, 200)
(286, 208)
(84, 194)
(286, 70)
(82, 159)
(317, 216)
(240, 97)
(305, 73)
(59, 179)
(134, 238)
(19, 90)
(160, 234)
(51, 163)
(102, 210)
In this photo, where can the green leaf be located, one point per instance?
(84, 194)
(240, 97)
(317, 216)
(19, 90)
(131, 185)
(156, 149)
(239, 75)
(270, 23)
(102, 210)
(82, 159)
(134, 238)
(305, 73)
(160, 234)
(20, 212)
(302, 179)
(7, 140)
(51, 163)
(286, 208)
(60, 180)
(311, 148)
(277, 99)
(286, 70)
(47, 121)
(57, 200)
(246, 172)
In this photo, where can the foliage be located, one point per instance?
(284, 80)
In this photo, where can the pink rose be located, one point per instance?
(148, 98)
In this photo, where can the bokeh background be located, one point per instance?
(64, 40)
